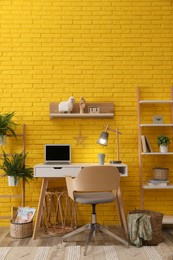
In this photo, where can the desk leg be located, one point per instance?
(40, 205)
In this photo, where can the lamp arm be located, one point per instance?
(112, 130)
(107, 128)
(117, 138)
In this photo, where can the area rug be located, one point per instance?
(64, 252)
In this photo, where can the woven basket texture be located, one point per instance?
(21, 230)
(160, 173)
(156, 223)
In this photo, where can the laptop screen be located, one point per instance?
(57, 153)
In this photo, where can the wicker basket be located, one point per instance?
(160, 173)
(21, 230)
(156, 224)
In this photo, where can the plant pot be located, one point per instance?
(163, 148)
(2, 139)
(11, 181)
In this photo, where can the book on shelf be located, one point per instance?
(143, 143)
(146, 147)
(158, 183)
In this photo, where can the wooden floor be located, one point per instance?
(54, 238)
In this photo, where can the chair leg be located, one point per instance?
(92, 230)
(77, 231)
(108, 232)
(120, 206)
(119, 212)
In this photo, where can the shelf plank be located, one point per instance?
(11, 196)
(143, 125)
(167, 219)
(13, 135)
(155, 101)
(152, 187)
(157, 153)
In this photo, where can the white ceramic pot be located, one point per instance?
(2, 139)
(11, 181)
(163, 148)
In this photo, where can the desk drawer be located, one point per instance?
(56, 171)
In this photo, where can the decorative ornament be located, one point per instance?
(82, 105)
(80, 138)
(66, 106)
(157, 119)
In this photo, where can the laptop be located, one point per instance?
(57, 154)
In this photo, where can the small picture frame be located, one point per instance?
(94, 110)
(157, 119)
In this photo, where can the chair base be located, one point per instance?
(94, 227)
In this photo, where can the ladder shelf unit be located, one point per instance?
(22, 194)
(147, 127)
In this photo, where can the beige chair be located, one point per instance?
(96, 185)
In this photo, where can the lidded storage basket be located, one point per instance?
(160, 173)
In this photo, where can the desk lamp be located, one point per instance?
(103, 140)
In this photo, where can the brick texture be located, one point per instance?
(101, 50)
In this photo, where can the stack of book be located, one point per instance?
(158, 183)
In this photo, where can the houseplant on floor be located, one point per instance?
(15, 167)
(7, 126)
(163, 142)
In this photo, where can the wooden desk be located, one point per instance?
(46, 171)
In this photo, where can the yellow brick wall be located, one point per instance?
(101, 50)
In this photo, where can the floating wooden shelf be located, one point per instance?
(106, 110)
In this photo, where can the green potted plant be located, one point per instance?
(14, 167)
(163, 142)
(7, 126)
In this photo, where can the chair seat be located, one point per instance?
(94, 197)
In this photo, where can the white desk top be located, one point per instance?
(57, 170)
(78, 165)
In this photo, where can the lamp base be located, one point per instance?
(114, 162)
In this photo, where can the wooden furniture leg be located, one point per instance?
(44, 186)
(122, 212)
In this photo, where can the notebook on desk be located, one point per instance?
(57, 154)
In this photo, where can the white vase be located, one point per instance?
(2, 139)
(11, 181)
(163, 148)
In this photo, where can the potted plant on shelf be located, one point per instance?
(7, 126)
(15, 168)
(163, 142)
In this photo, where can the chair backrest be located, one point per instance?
(97, 178)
